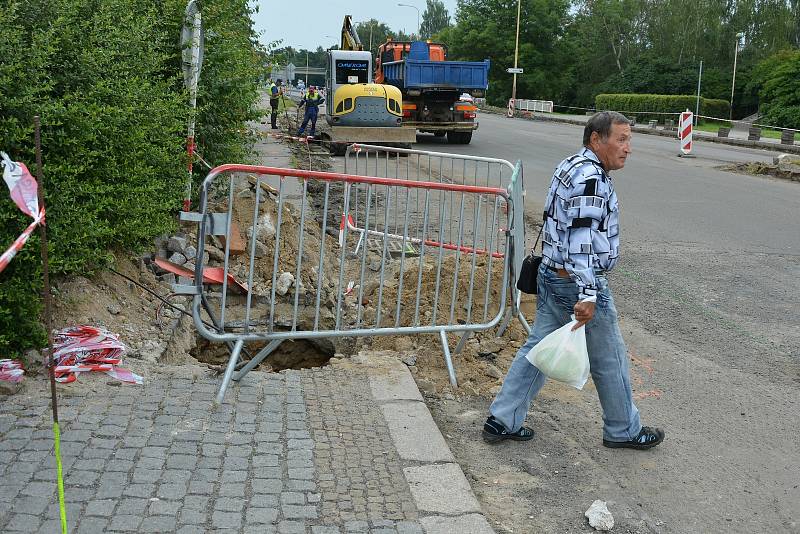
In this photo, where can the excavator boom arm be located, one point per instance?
(350, 39)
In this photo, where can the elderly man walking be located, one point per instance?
(580, 245)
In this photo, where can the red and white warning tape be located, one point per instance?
(11, 371)
(24, 191)
(82, 349)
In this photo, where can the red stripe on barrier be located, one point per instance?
(686, 131)
(348, 178)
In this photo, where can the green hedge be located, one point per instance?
(105, 77)
(652, 107)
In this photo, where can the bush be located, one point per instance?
(105, 77)
(780, 92)
(654, 107)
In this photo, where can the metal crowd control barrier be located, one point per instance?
(399, 268)
(425, 165)
(544, 106)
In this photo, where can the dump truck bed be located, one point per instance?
(461, 76)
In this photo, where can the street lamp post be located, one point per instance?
(415, 7)
(516, 57)
(739, 37)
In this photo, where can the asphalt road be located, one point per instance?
(707, 289)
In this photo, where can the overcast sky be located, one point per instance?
(312, 23)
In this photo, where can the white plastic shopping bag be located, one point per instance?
(562, 355)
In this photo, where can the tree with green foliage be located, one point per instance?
(485, 29)
(434, 19)
(373, 33)
(778, 78)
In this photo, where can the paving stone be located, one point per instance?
(100, 508)
(92, 525)
(125, 523)
(171, 491)
(181, 461)
(201, 487)
(144, 476)
(235, 476)
(154, 452)
(125, 454)
(293, 511)
(189, 516)
(33, 505)
(23, 523)
(325, 530)
(220, 520)
(131, 506)
(196, 502)
(233, 489)
(139, 490)
(290, 497)
(301, 485)
(268, 472)
(158, 524)
(261, 515)
(176, 476)
(356, 526)
(226, 504)
(38, 489)
(259, 500)
(266, 485)
(164, 507)
(291, 527)
(147, 463)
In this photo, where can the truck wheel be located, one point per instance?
(459, 138)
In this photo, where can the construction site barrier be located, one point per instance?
(399, 266)
(426, 165)
(544, 106)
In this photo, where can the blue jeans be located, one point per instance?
(608, 359)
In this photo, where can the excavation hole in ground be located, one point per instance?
(297, 354)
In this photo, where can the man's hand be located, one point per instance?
(584, 311)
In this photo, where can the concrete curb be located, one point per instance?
(438, 486)
(761, 145)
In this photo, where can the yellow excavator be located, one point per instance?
(359, 111)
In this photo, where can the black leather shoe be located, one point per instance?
(648, 438)
(495, 432)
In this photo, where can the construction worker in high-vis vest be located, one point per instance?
(312, 100)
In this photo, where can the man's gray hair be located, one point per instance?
(601, 123)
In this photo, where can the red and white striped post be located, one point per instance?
(685, 132)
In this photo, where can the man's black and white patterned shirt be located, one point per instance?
(581, 221)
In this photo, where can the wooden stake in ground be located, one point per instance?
(48, 321)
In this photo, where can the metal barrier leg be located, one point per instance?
(524, 322)
(503, 325)
(462, 341)
(229, 371)
(448, 360)
(258, 358)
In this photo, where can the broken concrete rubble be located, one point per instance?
(599, 516)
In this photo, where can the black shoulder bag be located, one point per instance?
(530, 269)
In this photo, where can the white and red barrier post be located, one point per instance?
(685, 132)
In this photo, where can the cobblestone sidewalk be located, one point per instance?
(319, 451)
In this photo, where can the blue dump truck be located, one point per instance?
(437, 94)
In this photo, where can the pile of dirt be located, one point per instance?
(786, 168)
